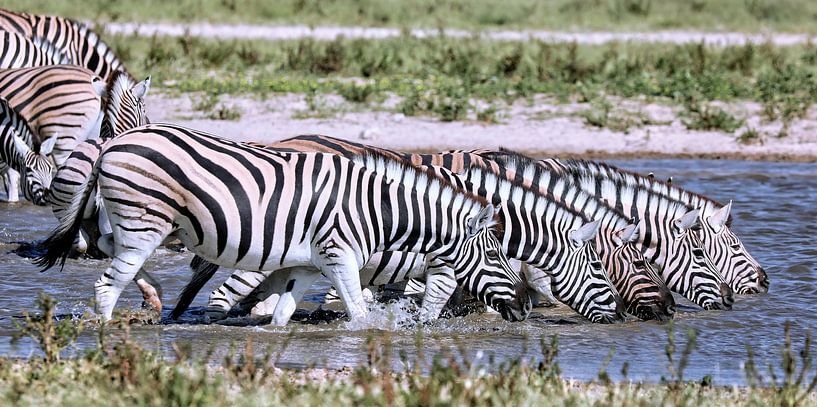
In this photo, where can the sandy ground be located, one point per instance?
(282, 32)
(540, 128)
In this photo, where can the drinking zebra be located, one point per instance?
(555, 241)
(80, 45)
(669, 235)
(743, 273)
(253, 209)
(597, 301)
(19, 51)
(17, 153)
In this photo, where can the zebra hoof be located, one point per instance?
(212, 315)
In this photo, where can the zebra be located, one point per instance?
(123, 108)
(390, 267)
(669, 235)
(238, 206)
(80, 45)
(743, 273)
(644, 292)
(61, 101)
(32, 164)
(537, 230)
(19, 51)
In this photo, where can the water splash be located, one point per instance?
(392, 316)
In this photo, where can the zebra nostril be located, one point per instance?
(728, 296)
(763, 279)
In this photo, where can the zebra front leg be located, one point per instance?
(344, 272)
(126, 263)
(12, 181)
(440, 285)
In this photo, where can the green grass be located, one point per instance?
(442, 76)
(617, 15)
(119, 372)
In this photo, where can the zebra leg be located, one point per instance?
(12, 179)
(150, 288)
(440, 285)
(264, 299)
(238, 286)
(126, 263)
(300, 279)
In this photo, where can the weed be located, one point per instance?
(700, 116)
(749, 136)
(51, 335)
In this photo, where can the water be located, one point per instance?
(774, 215)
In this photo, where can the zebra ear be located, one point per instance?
(586, 232)
(482, 220)
(719, 218)
(141, 89)
(47, 146)
(689, 220)
(627, 234)
(21, 146)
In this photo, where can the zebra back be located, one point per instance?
(81, 45)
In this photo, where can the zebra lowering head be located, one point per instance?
(636, 279)
(495, 283)
(739, 268)
(644, 293)
(472, 247)
(16, 153)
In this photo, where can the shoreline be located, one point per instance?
(540, 129)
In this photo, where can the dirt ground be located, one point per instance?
(542, 128)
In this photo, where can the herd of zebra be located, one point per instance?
(604, 241)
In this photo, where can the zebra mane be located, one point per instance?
(527, 172)
(54, 54)
(118, 85)
(9, 117)
(104, 51)
(638, 181)
(421, 179)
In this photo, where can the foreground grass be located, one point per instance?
(618, 15)
(119, 372)
(443, 75)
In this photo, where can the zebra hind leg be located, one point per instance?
(300, 279)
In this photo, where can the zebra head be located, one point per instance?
(688, 268)
(123, 105)
(635, 278)
(38, 169)
(738, 267)
(482, 268)
(580, 280)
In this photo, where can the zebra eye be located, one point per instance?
(596, 265)
(492, 253)
(698, 253)
(639, 264)
(735, 246)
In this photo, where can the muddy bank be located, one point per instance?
(542, 127)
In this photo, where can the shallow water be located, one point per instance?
(774, 215)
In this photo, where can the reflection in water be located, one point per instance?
(774, 216)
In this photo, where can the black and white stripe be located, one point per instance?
(20, 51)
(257, 210)
(78, 43)
(669, 233)
(743, 273)
(22, 156)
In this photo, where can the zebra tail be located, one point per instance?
(58, 245)
(203, 271)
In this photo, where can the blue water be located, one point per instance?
(774, 216)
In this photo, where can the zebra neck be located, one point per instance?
(415, 222)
